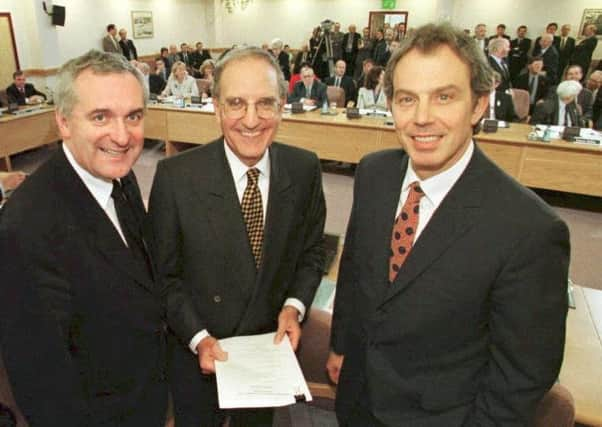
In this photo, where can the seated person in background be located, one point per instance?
(297, 76)
(164, 55)
(560, 109)
(372, 96)
(340, 79)
(9, 181)
(501, 106)
(157, 80)
(533, 81)
(594, 83)
(206, 69)
(23, 93)
(199, 56)
(309, 91)
(366, 66)
(180, 83)
(586, 97)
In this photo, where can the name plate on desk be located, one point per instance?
(297, 107)
(490, 126)
(353, 113)
(570, 133)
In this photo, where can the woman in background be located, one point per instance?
(180, 84)
(372, 95)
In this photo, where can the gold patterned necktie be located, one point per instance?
(404, 230)
(252, 211)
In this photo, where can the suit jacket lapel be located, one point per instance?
(227, 222)
(454, 217)
(102, 234)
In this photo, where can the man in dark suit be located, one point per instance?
(500, 33)
(157, 80)
(548, 52)
(501, 106)
(420, 260)
(82, 330)
(110, 42)
(594, 84)
(585, 99)
(582, 55)
(519, 50)
(344, 81)
(566, 47)
(309, 90)
(498, 52)
(480, 37)
(380, 49)
(199, 56)
(551, 28)
(350, 45)
(127, 45)
(184, 54)
(239, 226)
(281, 57)
(22, 93)
(533, 81)
(560, 108)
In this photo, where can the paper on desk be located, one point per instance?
(258, 373)
(289, 107)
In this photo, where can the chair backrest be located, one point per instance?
(520, 99)
(336, 94)
(204, 86)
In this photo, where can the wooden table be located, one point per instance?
(581, 370)
(26, 131)
(557, 165)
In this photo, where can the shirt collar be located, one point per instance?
(239, 169)
(436, 187)
(101, 190)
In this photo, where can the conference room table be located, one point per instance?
(556, 165)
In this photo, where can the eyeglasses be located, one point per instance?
(236, 108)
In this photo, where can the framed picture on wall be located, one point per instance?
(142, 24)
(592, 16)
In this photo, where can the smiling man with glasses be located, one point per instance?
(239, 226)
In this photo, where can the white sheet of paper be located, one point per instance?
(258, 373)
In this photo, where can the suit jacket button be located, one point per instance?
(217, 299)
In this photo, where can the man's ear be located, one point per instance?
(63, 125)
(479, 109)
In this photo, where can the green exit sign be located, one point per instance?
(389, 4)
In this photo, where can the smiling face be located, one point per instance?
(434, 109)
(250, 136)
(105, 130)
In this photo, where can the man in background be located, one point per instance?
(22, 93)
(500, 32)
(342, 80)
(239, 225)
(337, 42)
(199, 56)
(498, 52)
(127, 45)
(519, 50)
(582, 55)
(421, 216)
(309, 90)
(480, 37)
(351, 42)
(533, 81)
(82, 330)
(585, 99)
(110, 42)
(566, 47)
(549, 54)
(185, 54)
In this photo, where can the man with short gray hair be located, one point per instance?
(239, 225)
(281, 57)
(82, 329)
(549, 54)
(560, 109)
(498, 54)
(422, 334)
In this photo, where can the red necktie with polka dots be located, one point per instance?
(404, 230)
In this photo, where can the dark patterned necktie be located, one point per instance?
(404, 230)
(252, 211)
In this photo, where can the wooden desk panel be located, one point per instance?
(507, 157)
(155, 124)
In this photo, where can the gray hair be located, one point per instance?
(276, 44)
(568, 88)
(430, 37)
(143, 67)
(65, 96)
(495, 45)
(241, 54)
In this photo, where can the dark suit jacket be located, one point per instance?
(197, 58)
(451, 342)
(485, 45)
(156, 84)
(81, 329)
(204, 256)
(128, 49)
(522, 82)
(380, 54)
(551, 62)
(350, 57)
(318, 92)
(519, 50)
(13, 94)
(565, 54)
(546, 112)
(582, 55)
(348, 86)
(505, 84)
(504, 107)
(285, 66)
(299, 60)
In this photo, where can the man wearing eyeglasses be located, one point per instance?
(238, 224)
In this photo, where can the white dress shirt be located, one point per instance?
(435, 189)
(562, 114)
(239, 175)
(492, 104)
(100, 189)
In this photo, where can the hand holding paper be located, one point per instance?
(288, 323)
(209, 350)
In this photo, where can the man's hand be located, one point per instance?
(11, 180)
(209, 351)
(288, 323)
(334, 365)
(309, 101)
